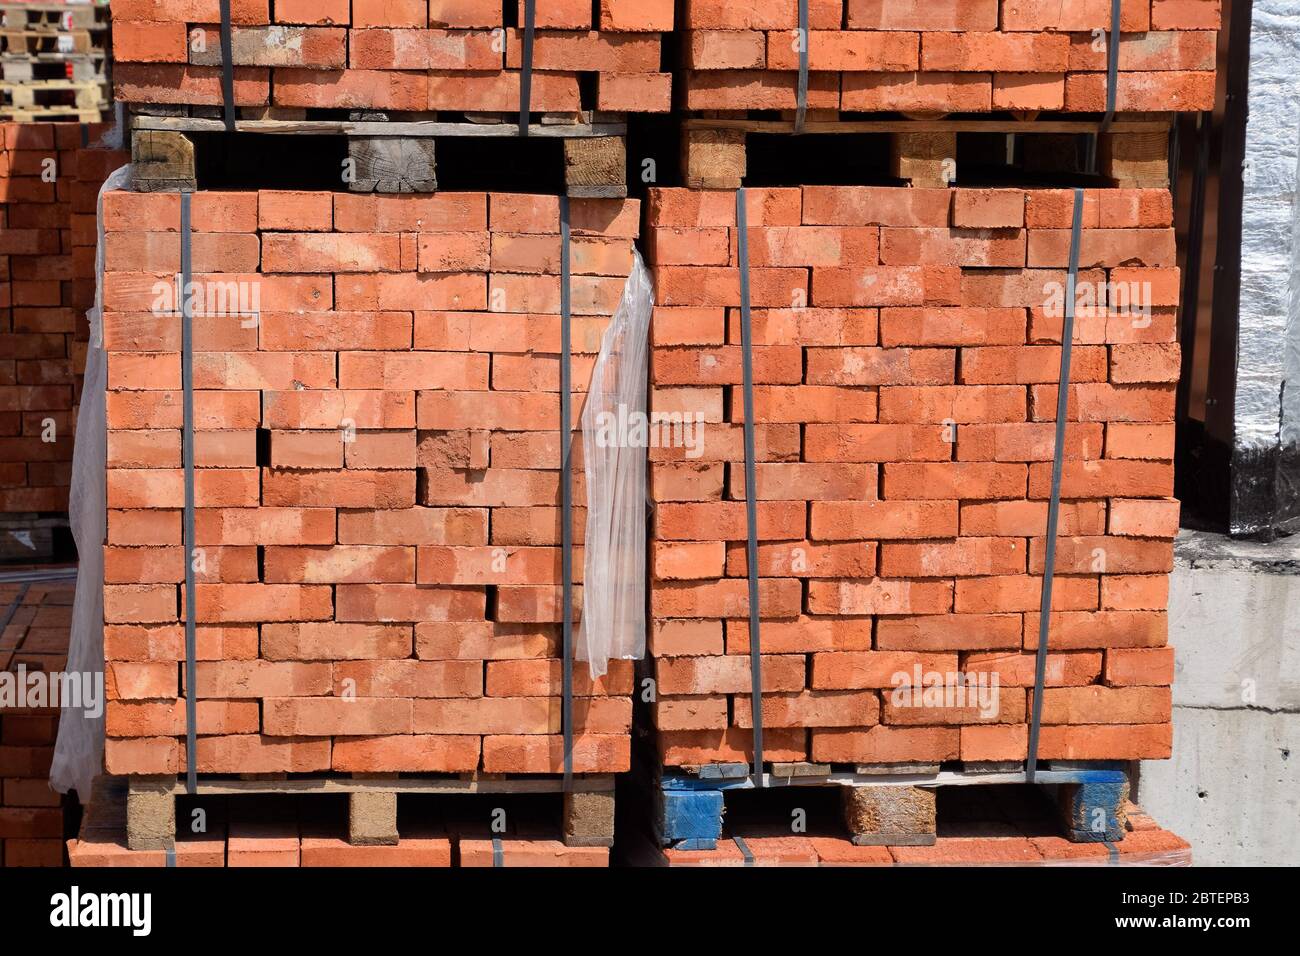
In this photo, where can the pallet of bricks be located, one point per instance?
(53, 61)
(50, 174)
(408, 56)
(33, 640)
(892, 513)
(378, 611)
(377, 522)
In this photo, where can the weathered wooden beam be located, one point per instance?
(162, 161)
(713, 159)
(596, 168)
(391, 164)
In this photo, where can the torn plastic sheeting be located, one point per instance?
(79, 749)
(614, 459)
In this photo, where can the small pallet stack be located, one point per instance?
(52, 62)
(48, 187)
(905, 361)
(904, 418)
(948, 56)
(303, 834)
(34, 638)
(377, 498)
(411, 56)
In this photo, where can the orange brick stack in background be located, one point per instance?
(48, 186)
(377, 483)
(905, 372)
(409, 55)
(949, 56)
(36, 639)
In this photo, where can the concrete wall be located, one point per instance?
(1233, 786)
(1266, 414)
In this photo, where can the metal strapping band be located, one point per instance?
(743, 847)
(13, 608)
(751, 506)
(526, 66)
(801, 108)
(227, 68)
(1112, 83)
(566, 490)
(1054, 505)
(187, 441)
(38, 575)
(498, 854)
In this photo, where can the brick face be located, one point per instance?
(905, 532)
(31, 814)
(48, 185)
(379, 582)
(396, 54)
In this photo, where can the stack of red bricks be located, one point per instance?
(377, 478)
(409, 55)
(35, 641)
(48, 186)
(1023, 840)
(906, 360)
(949, 55)
(300, 833)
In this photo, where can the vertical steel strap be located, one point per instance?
(1054, 503)
(566, 488)
(751, 505)
(187, 444)
(1112, 83)
(526, 66)
(227, 68)
(801, 108)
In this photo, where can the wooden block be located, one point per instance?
(924, 159)
(800, 769)
(595, 167)
(993, 766)
(392, 164)
(284, 113)
(589, 818)
(161, 161)
(150, 813)
(713, 158)
(1094, 812)
(1051, 152)
(889, 816)
(689, 819)
(372, 818)
(895, 769)
(1135, 160)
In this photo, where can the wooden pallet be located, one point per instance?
(882, 805)
(1132, 152)
(51, 114)
(78, 67)
(386, 155)
(32, 42)
(586, 817)
(44, 94)
(31, 538)
(53, 17)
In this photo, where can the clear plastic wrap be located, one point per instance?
(79, 751)
(615, 438)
